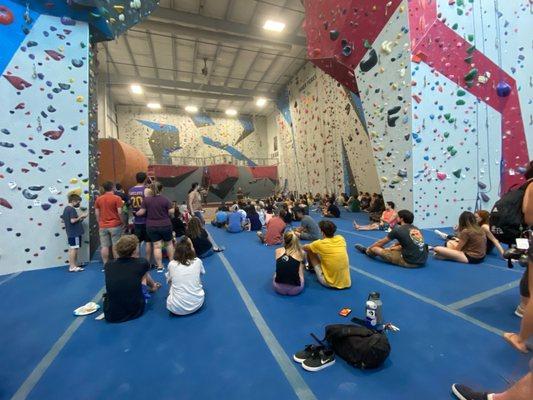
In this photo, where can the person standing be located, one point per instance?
(74, 229)
(158, 210)
(194, 202)
(136, 198)
(108, 209)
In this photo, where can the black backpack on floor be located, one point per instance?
(506, 218)
(358, 346)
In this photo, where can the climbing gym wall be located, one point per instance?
(160, 135)
(323, 144)
(446, 92)
(44, 135)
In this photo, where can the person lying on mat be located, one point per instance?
(470, 245)
(200, 239)
(308, 229)
(331, 210)
(186, 294)
(236, 220)
(274, 230)
(410, 251)
(289, 277)
(124, 280)
(388, 219)
(328, 258)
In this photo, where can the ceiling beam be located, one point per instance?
(130, 53)
(114, 80)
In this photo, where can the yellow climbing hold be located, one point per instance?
(75, 191)
(79, 99)
(119, 8)
(74, 180)
(384, 179)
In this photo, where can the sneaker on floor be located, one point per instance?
(463, 392)
(320, 360)
(441, 234)
(304, 354)
(361, 248)
(519, 312)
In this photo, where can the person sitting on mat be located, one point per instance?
(328, 258)
(410, 251)
(289, 277)
(124, 280)
(253, 218)
(388, 219)
(331, 210)
(186, 294)
(274, 230)
(308, 229)
(199, 238)
(469, 247)
(235, 220)
(221, 218)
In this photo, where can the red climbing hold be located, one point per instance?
(54, 135)
(6, 16)
(55, 55)
(17, 82)
(5, 203)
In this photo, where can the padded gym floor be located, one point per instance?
(240, 344)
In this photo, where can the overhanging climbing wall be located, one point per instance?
(44, 136)
(445, 86)
(223, 181)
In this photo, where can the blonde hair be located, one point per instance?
(156, 188)
(291, 243)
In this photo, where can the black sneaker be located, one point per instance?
(319, 360)
(361, 248)
(304, 354)
(463, 392)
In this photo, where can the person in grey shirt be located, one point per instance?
(308, 230)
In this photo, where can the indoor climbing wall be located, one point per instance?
(161, 135)
(44, 134)
(446, 89)
(319, 126)
(383, 78)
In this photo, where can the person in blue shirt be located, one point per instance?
(74, 229)
(221, 219)
(235, 220)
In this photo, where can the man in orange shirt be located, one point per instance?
(108, 208)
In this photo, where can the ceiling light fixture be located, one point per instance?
(260, 102)
(154, 106)
(231, 112)
(136, 89)
(191, 109)
(275, 26)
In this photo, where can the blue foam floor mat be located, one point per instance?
(219, 352)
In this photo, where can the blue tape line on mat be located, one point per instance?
(483, 295)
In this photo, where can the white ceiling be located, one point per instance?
(165, 54)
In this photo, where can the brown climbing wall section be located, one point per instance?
(119, 162)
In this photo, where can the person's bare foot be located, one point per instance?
(356, 226)
(514, 340)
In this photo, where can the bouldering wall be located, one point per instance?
(318, 122)
(161, 135)
(223, 181)
(44, 135)
(446, 92)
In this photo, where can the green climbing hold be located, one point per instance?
(453, 152)
(471, 49)
(447, 116)
(460, 3)
(461, 92)
(459, 11)
(471, 75)
(470, 37)
(449, 148)
(468, 59)
(451, 120)
(367, 44)
(446, 134)
(455, 26)
(457, 173)
(460, 102)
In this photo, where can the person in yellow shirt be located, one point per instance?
(329, 258)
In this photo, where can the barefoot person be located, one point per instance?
(328, 258)
(308, 229)
(410, 251)
(74, 229)
(388, 220)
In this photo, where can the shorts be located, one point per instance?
(384, 226)
(474, 260)
(395, 257)
(524, 284)
(74, 242)
(140, 232)
(110, 236)
(158, 233)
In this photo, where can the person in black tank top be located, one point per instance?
(289, 278)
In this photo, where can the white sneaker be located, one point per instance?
(440, 234)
